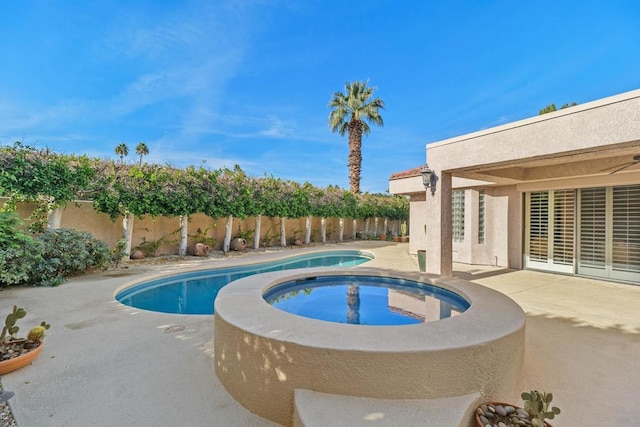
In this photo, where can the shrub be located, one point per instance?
(119, 252)
(19, 252)
(201, 237)
(149, 247)
(66, 253)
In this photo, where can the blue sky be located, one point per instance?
(248, 82)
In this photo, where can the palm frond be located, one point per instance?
(354, 104)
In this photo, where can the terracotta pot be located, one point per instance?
(404, 238)
(396, 238)
(238, 244)
(137, 254)
(383, 237)
(297, 242)
(10, 365)
(480, 424)
(202, 249)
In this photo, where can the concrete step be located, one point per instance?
(314, 409)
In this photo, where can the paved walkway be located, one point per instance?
(582, 342)
(107, 364)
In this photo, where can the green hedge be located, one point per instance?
(52, 180)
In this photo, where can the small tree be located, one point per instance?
(552, 107)
(122, 150)
(141, 150)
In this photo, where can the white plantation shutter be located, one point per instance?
(550, 230)
(563, 226)
(626, 229)
(592, 228)
(610, 232)
(538, 226)
(604, 221)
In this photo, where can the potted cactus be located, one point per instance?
(18, 352)
(403, 232)
(537, 404)
(535, 412)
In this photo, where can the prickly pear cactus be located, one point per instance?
(10, 323)
(538, 405)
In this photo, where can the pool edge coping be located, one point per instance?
(241, 304)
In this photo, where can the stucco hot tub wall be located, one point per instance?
(262, 354)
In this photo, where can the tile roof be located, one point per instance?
(407, 174)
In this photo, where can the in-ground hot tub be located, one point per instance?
(263, 354)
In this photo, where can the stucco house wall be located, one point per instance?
(417, 218)
(571, 149)
(410, 184)
(501, 221)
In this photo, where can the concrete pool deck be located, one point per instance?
(108, 364)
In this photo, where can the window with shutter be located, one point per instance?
(563, 226)
(592, 228)
(539, 226)
(610, 232)
(626, 229)
(550, 230)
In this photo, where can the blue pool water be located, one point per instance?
(366, 300)
(194, 292)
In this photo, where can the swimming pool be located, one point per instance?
(194, 292)
(366, 300)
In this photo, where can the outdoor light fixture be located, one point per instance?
(429, 179)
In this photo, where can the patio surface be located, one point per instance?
(108, 364)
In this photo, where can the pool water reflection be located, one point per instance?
(366, 300)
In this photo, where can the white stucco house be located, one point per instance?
(558, 192)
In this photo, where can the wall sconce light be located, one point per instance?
(429, 179)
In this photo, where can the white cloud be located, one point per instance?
(277, 128)
(185, 52)
(20, 117)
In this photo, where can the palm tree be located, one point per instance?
(142, 150)
(350, 113)
(122, 150)
(353, 304)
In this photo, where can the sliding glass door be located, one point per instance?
(550, 225)
(592, 232)
(610, 232)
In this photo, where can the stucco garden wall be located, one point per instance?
(82, 216)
